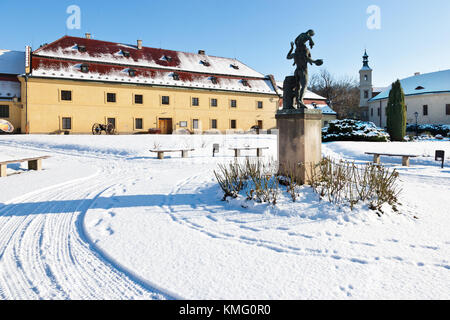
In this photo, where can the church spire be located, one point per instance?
(366, 59)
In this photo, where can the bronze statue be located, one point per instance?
(301, 56)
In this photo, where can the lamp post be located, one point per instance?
(416, 114)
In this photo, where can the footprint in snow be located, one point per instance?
(249, 228)
(99, 222)
(347, 290)
(293, 234)
(430, 248)
(392, 240)
(360, 261)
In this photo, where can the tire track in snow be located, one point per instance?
(45, 254)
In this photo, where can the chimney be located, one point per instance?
(417, 73)
(139, 44)
(201, 52)
(88, 36)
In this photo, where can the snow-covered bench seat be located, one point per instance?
(184, 152)
(405, 157)
(33, 164)
(237, 151)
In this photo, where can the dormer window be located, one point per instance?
(82, 48)
(84, 68)
(132, 72)
(234, 66)
(176, 76)
(205, 63)
(245, 83)
(166, 58)
(420, 88)
(126, 54)
(214, 80)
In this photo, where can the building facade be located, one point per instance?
(74, 83)
(427, 96)
(12, 63)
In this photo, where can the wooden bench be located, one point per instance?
(259, 153)
(33, 164)
(405, 157)
(184, 152)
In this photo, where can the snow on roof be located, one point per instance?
(113, 62)
(434, 82)
(308, 94)
(53, 68)
(325, 108)
(110, 52)
(12, 62)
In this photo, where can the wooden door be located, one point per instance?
(260, 124)
(165, 125)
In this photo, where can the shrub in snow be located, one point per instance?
(337, 182)
(346, 182)
(433, 129)
(254, 178)
(353, 130)
(396, 112)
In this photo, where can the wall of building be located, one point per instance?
(327, 118)
(365, 86)
(89, 106)
(15, 110)
(436, 109)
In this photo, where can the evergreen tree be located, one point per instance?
(396, 113)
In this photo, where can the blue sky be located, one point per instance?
(414, 35)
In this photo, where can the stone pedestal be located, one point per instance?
(299, 141)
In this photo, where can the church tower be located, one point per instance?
(365, 82)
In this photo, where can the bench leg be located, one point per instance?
(35, 165)
(160, 155)
(184, 153)
(377, 159)
(3, 170)
(259, 152)
(405, 162)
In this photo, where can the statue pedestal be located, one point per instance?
(299, 141)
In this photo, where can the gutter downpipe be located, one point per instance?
(26, 105)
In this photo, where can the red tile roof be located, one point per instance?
(109, 61)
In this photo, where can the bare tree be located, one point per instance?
(342, 93)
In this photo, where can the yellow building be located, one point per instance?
(74, 83)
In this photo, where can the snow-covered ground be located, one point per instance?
(106, 220)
